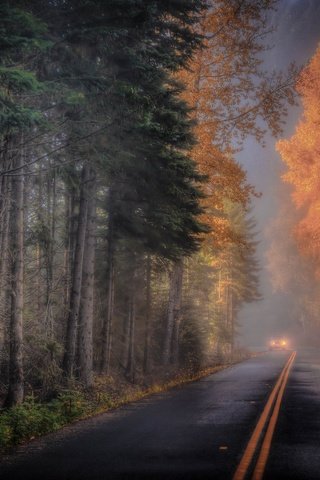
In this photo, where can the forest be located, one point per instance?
(127, 242)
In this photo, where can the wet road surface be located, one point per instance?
(198, 431)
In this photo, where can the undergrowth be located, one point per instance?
(32, 418)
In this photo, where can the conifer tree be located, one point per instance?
(22, 34)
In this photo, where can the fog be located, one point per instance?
(296, 38)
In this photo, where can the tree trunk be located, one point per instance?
(173, 314)
(146, 356)
(130, 367)
(175, 336)
(107, 324)
(5, 232)
(231, 322)
(16, 377)
(177, 318)
(125, 337)
(69, 246)
(72, 323)
(5, 287)
(39, 249)
(87, 291)
(50, 251)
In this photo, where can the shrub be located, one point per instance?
(31, 418)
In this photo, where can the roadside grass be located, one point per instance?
(33, 418)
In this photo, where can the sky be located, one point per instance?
(296, 39)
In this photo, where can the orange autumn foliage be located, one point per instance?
(301, 154)
(232, 97)
(211, 92)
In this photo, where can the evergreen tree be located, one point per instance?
(22, 36)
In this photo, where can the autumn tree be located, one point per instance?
(232, 97)
(300, 154)
(292, 273)
(294, 259)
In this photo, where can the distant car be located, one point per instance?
(278, 344)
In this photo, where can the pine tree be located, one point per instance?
(21, 34)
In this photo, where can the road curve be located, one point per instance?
(198, 431)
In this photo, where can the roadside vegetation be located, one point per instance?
(34, 418)
(127, 243)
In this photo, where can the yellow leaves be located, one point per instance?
(309, 85)
(221, 93)
(301, 154)
(307, 234)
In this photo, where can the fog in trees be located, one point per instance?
(295, 39)
(128, 229)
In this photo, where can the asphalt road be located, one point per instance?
(199, 431)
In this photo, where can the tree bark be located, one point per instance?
(130, 367)
(50, 251)
(5, 287)
(107, 324)
(231, 307)
(174, 305)
(16, 374)
(87, 291)
(177, 317)
(72, 322)
(146, 355)
(176, 331)
(5, 233)
(69, 246)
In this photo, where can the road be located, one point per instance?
(199, 431)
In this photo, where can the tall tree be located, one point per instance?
(16, 374)
(22, 35)
(300, 154)
(232, 97)
(87, 290)
(77, 274)
(170, 347)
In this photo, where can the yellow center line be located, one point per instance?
(253, 442)
(265, 449)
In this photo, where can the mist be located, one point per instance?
(295, 40)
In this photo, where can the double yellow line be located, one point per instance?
(271, 413)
